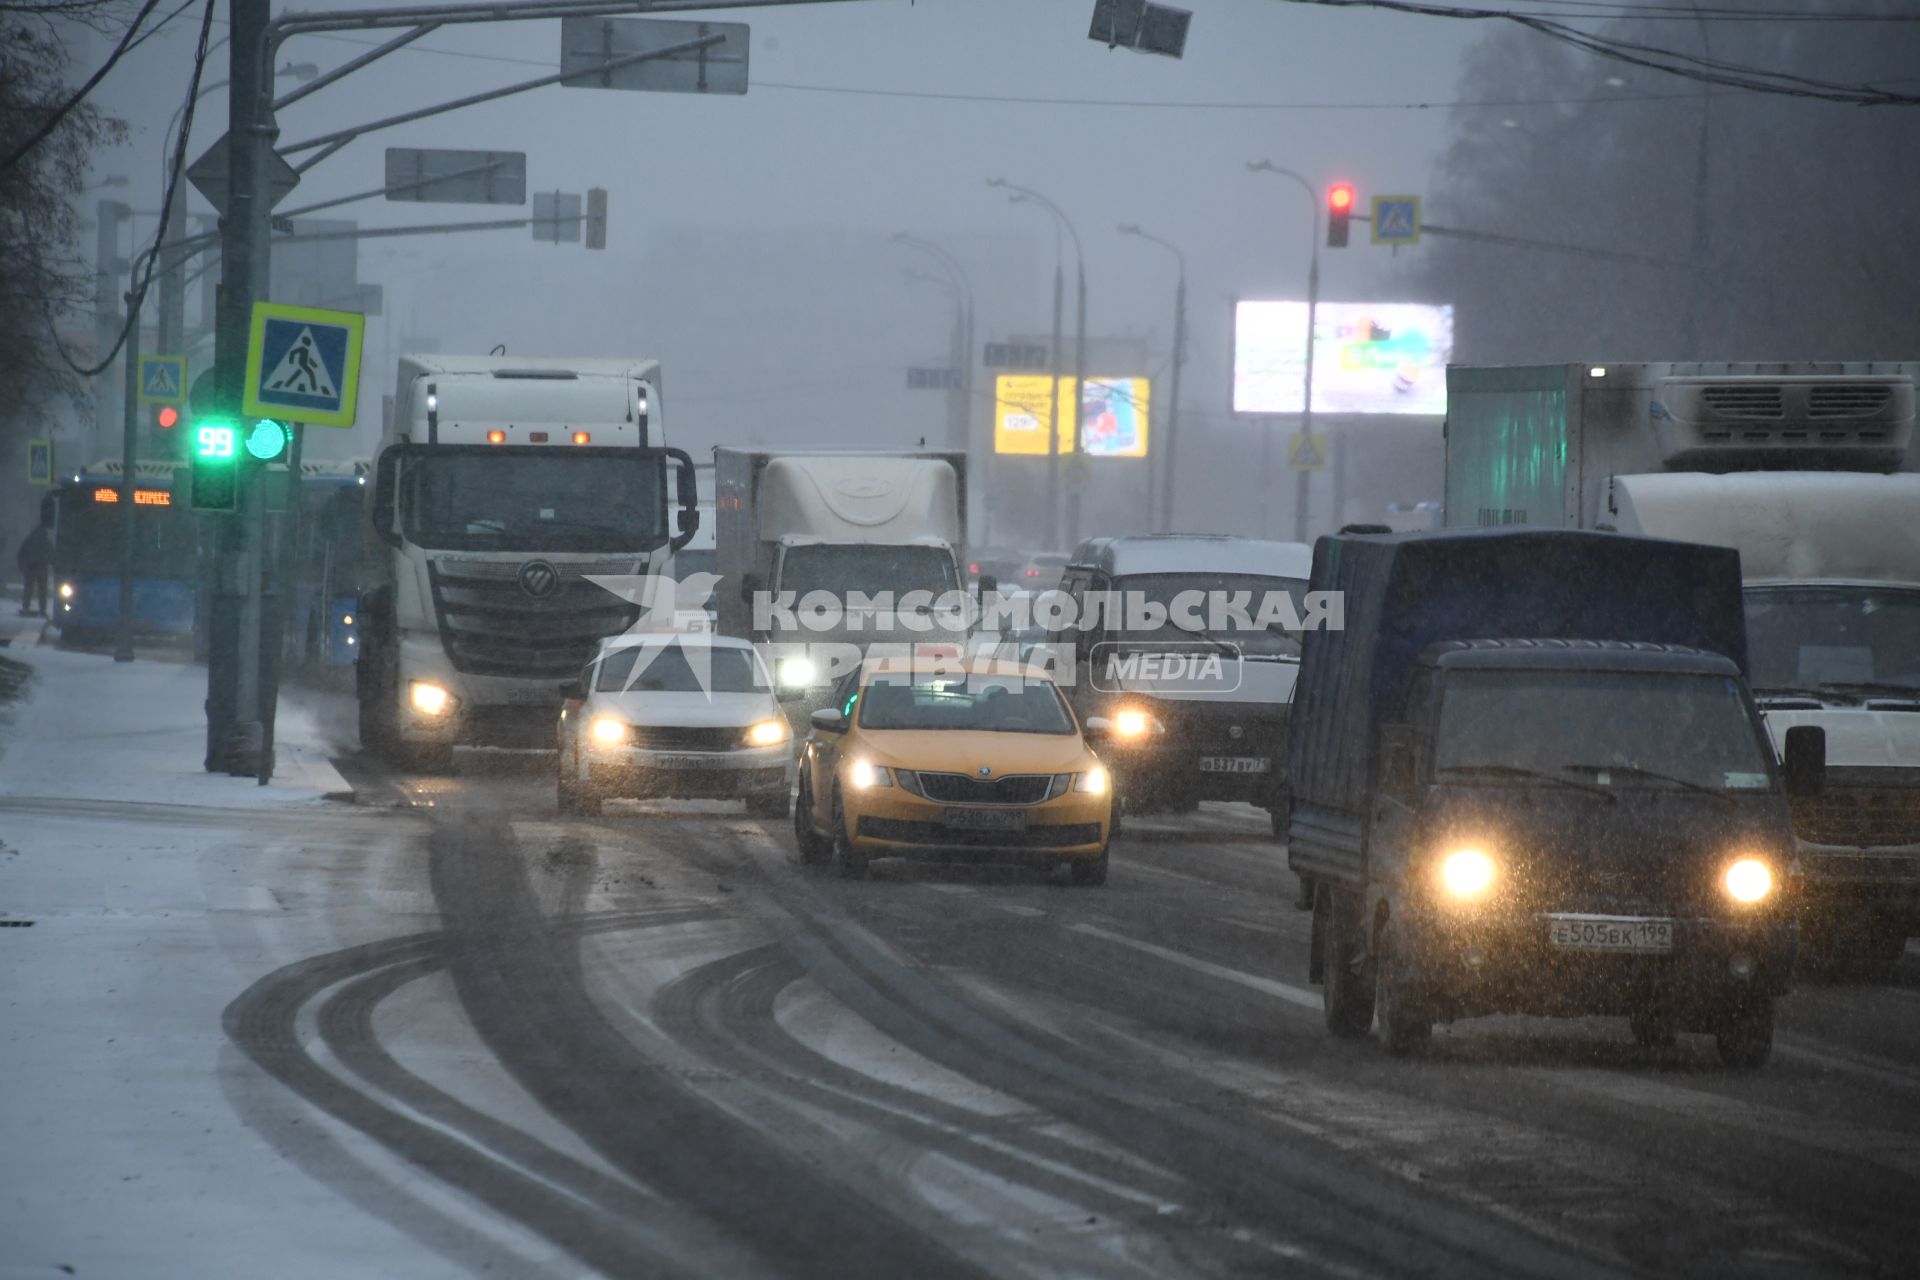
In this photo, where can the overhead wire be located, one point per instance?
(79, 95)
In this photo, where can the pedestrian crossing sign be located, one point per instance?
(1306, 452)
(303, 364)
(1396, 220)
(163, 379)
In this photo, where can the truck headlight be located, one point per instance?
(797, 673)
(768, 733)
(1131, 722)
(865, 776)
(1093, 781)
(66, 591)
(1467, 873)
(608, 731)
(429, 699)
(1747, 880)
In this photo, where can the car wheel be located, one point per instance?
(1745, 1039)
(812, 846)
(1346, 994)
(1089, 871)
(851, 863)
(1653, 1028)
(1406, 1025)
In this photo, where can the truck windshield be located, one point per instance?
(1818, 637)
(868, 568)
(674, 668)
(997, 704)
(534, 500)
(1209, 605)
(1606, 728)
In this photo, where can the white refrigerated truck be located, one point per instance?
(502, 486)
(1808, 471)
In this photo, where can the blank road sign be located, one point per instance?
(588, 44)
(556, 217)
(456, 177)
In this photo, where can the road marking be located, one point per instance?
(1266, 986)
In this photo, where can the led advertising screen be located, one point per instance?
(1368, 357)
(1114, 415)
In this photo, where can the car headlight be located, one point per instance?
(608, 730)
(797, 673)
(865, 775)
(768, 733)
(346, 619)
(1467, 873)
(1093, 781)
(1747, 880)
(1131, 722)
(66, 591)
(430, 699)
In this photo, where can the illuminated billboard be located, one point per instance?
(1114, 415)
(1368, 357)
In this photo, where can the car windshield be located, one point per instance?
(679, 668)
(839, 569)
(535, 500)
(87, 540)
(1809, 637)
(1619, 729)
(1218, 606)
(1002, 704)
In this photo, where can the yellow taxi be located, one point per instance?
(946, 759)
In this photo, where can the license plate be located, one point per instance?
(658, 761)
(1588, 934)
(1235, 764)
(987, 819)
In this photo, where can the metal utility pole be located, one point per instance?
(107, 217)
(960, 411)
(1300, 491)
(1160, 515)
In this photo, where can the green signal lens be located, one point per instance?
(267, 440)
(215, 442)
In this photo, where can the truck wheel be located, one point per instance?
(851, 863)
(813, 847)
(1406, 1026)
(1347, 993)
(1745, 1039)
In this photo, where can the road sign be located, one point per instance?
(1396, 219)
(303, 364)
(1140, 25)
(208, 175)
(556, 217)
(1024, 357)
(1306, 452)
(933, 379)
(588, 44)
(40, 462)
(163, 379)
(456, 177)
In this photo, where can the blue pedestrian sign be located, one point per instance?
(1396, 220)
(303, 364)
(163, 379)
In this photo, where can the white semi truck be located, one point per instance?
(1808, 471)
(854, 526)
(503, 486)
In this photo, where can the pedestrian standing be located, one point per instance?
(36, 563)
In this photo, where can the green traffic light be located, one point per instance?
(267, 440)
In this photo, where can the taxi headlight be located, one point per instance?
(864, 775)
(608, 731)
(1131, 722)
(1093, 781)
(1747, 880)
(768, 733)
(1467, 873)
(66, 591)
(797, 673)
(429, 699)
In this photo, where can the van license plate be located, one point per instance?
(987, 819)
(1235, 764)
(1651, 936)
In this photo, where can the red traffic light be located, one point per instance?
(1339, 214)
(1341, 196)
(167, 417)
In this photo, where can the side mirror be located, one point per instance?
(573, 691)
(988, 585)
(382, 512)
(750, 585)
(1396, 762)
(1806, 762)
(1097, 729)
(828, 720)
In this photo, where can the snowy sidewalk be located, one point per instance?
(95, 729)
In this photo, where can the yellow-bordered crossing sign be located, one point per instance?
(303, 364)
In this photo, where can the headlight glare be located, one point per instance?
(865, 776)
(1467, 873)
(1747, 880)
(768, 733)
(797, 673)
(1131, 723)
(608, 731)
(66, 591)
(1093, 781)
(429, 699)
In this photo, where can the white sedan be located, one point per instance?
(679, 714)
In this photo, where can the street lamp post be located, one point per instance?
(1025, 195)
(961, 398)
(1313, 302)
(1161, 518)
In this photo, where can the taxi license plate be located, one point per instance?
(1585, 934)
(1235, 764)
(987, 819)
(680, 762)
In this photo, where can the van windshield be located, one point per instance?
(1816, 638)
(1216, 606)
(870, 568)
(1604, 728)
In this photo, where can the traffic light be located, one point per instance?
(213, 459)
(1339, 214)
(267, 440)
(596, 218)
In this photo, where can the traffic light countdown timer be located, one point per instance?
(220, 446)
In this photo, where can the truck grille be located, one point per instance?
(491, 626)
(958, 788)
(659, 737)
(1844, 401)
(1858, 819)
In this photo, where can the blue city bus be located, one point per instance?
(89, 508)
(333, 556)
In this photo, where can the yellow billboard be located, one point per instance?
(1113, 416)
